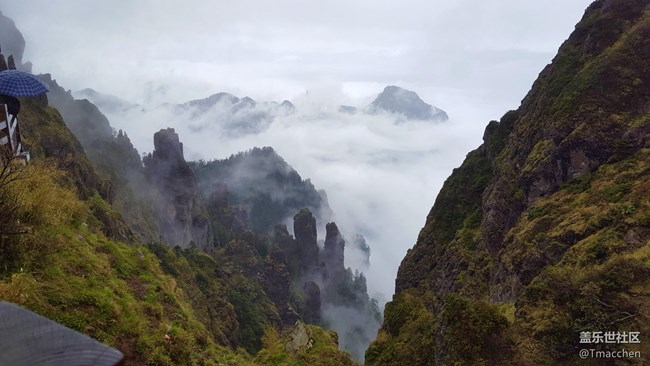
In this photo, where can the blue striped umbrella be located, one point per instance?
(18, 83)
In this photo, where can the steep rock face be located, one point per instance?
(301, 252)
(304, 228)
(180, 213)
(12, 42)
(81, 116)
(401, 101)
(333, 251)
(578, 107)
(522, 238)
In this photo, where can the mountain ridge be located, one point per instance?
(525, 240)
(396, 100)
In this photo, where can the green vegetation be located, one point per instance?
(63, 269)
(469, 332)
(125, 295)
(320, 351)
(461, 195)
(64, 254)
(260, 182)
(556, 241)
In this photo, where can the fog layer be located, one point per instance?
(381, 177)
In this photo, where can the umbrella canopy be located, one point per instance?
(18, 83)
(28, 339)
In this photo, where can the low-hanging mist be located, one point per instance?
(381, 173)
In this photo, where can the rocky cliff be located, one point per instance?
(181, 215)
(542, 232)
(12, 42)
(333, 252)
(81, 116)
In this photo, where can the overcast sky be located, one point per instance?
(279, 49)
(474, 59)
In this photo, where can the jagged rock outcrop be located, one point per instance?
(282, 237)
(11, 62)
(405, 102)
(179, 210)
(304, 228)
(301, 252)
(333, 251)
(541, 232)
(327, 288)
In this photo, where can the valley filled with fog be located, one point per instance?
(381, 172)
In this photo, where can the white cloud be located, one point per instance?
(381, 177)
(253, 46)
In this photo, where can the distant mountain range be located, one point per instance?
(237, 116)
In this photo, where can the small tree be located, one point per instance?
(10, 175)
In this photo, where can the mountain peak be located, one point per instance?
(401, 101)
